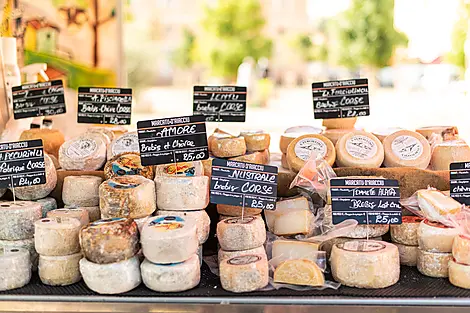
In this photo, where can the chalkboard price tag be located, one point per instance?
(460, 182)
(341, 99)
(22, 164)
(243, 184)
(38, 99)
(368, 201)
(220, 104)
(104, 105)
(172, 140)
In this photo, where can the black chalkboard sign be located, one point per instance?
(104, 105)
(368, 200)
(171, 140)
(243, 184)
(220, 104)
(38, 99)
(341, 99)
(22, 164)
(460, 182)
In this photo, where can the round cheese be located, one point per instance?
(141, 222)
(235, 234)
(112, 278)
(256, 157)
(195, 168)
(339, 123)
(84, 153)
(15, 267)
(327, 245)
(207, 165)
(223, 255)
(449, 152)
(57, 236)
(81, 190)
(407, 232)
(244, 273)
(299, 150)
(301, 272)
(128, 142)
(106, 132)
(127, 196)
(408, 254)
(461, 249)
(94, 212)
(459, 274)
(293, 132)
(359, 149)
(171, 277)
(202, 220)
(405, 148)
(436, 237)
(335, 134)
(36, 192)
(52, 139)
(169, 239)
(182, 193)
(381, 133)
(284, 162)
(218, 133)
(232, 210)
(228, 147)
(17, 219)
(362, 264)
(433, 264)
(26, 244)
(256, 140)
(80, 215)
(440, 131)
(60, 270)
(127, 163)
(47, 204)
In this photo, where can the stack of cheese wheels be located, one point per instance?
(84, 153)
(83, 192)
(300, 149)
(224, 145)
(292, 216)
(52, 139)
(447, 152)
(57, 243)
(405, 237)
(359, 149)
(127, 142)
(405, 148)
(289, 135)
(15, 268)
(257, 147)
(79, 214)
(459, 265)
(338, 127)
(110, 264)
(127, 163)
(170, 246)
(47, 204)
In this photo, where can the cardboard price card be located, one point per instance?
(460, 182)
(341, 99)
(368, 200)
(243, 184)
(220, 104)
(172, 140)
(22, 164)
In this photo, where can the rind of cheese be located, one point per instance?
(94, 212)
(217, 134)
(256, 157)
(256, 140)
(27, 244)
(359, 149)
(127, 163)
(141, 222)
(428, 131)
(57, 236)
(284, 162)
(110, 240)
(81, 190)
(435, 204)
(361, 264)
(17, 219)
(405, 148)
(339, 123)
(244, 273)
(381, 133)
(233, 210)
(223, 255)
(299, 150)
(60, 270)
(408, 254)
(293, 132)
(80, 215)
(127, 196)
(461, 249)
(449, 152)
(335, 134)
(52, 139)
(182, 193)
(407, 232)
(436, 237)
(201, 218)
(292, 216)
(47, 204)
(128, 142)
(327, 245)
(283, 250)
(228, 147)
(171, 277)
(207, 164)
(236, 234)
(195, 168)
(459, 274)
(113, 278)
(106, 132)
(433, 264)
(84, 153)
(37, 192)
(15, 266)
(303, 272)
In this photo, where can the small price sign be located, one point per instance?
(460, 182)
(220, 104)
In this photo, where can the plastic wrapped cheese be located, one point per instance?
(60, 270)
(80, 214)
(27, 244)
(459, 274)
(408, 254)
(407, 232)
(435, 204)
(228, 147)
(223, 255)
(359, 149)
(127, 163)
(17, 219)
(36, 192)
(433, 264)
(195, 168)
(57, 236)
(47, 204)
(81, 190)
(292, 216)
(182, 193)
(283, 250)
(256, 140)
(244, 273)
(128, 142)
(299, 150)
(202, 220)
(436, 237)
(302, 272)
(84, 153)
(52, 139)
(461, 249)
(235, 234)
(233, 210)
(15, 268)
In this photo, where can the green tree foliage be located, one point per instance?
(185, 56)
(459, 35)
(308, 50)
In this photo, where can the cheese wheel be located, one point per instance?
(327, 245)
(61, 270)
(359, 149)
(15, 268)
(94, 212)
(408, 254)
(405, 148)
(207, 165)
(52, 139)
(109, 240)
(57, 236)
(449, 152)
(217, 134)
(381, 133)
(407, 232)
(256, 157)
(440, 131)
(292, 216)
(233, 210)
(244, 273)
(228, 147)
(171, 277)
(339, 123)
(195, 168)
(284, 162)
(36, 192)
(435, 204)
(80, 215)
(459, 274)
(436, 237)
(335, 134)
(113, 278)
(169, 239)
(284, 178)
(433, 264)
(127, 163)
(223, 255)
(84, 153)
(17, 219)
(26, 244)
(202, 220)
(368, 231)
(293, 132)
(81, 190)
(141, 222)
(128, 142)
(256, 140)
(47, 204)
(299, 150)
(283, 250)
(182, 193)
(105, 132)
(127, 196)
(301, 272)
(461, 249)
(235, 234)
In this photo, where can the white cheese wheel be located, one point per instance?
(299, 150)
(335, 134)
(256, 157)
(327, 245)
(435, 204)
(47, 204)
(27, 244)
(256, 140)
(57, 236)
(110, 240)
(461, 249)
(407, 232)
(339, 123)
(128, 142)
(368, 231)
(433, 264)
(17, 219)
(459, 274)
(223, 255)
(112, 278)
(94, 212)
(182, 193)
(202, 220)
(80, 214)
(283, 250)
(436, 237)
(440, 131)
(244, 273)
(359, 149)
(127, 163)
(171, 277)
(233, 210)
(84, 153)
(195, 168)
(408, 254)
(61, 270)
(365, 264)
(405, 148)
(81, 190)
(228, 147)
(296, 131)
(235, 234)
(15, 268)
(449, 152)
(381, 133)
(106, 133)
(292, 216)
(127, 196)
(169, 239)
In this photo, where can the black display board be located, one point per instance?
(220, 103)
(460, 182)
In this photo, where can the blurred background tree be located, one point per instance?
(185, 56)
(459, 35)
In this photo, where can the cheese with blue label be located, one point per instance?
(127, 163)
